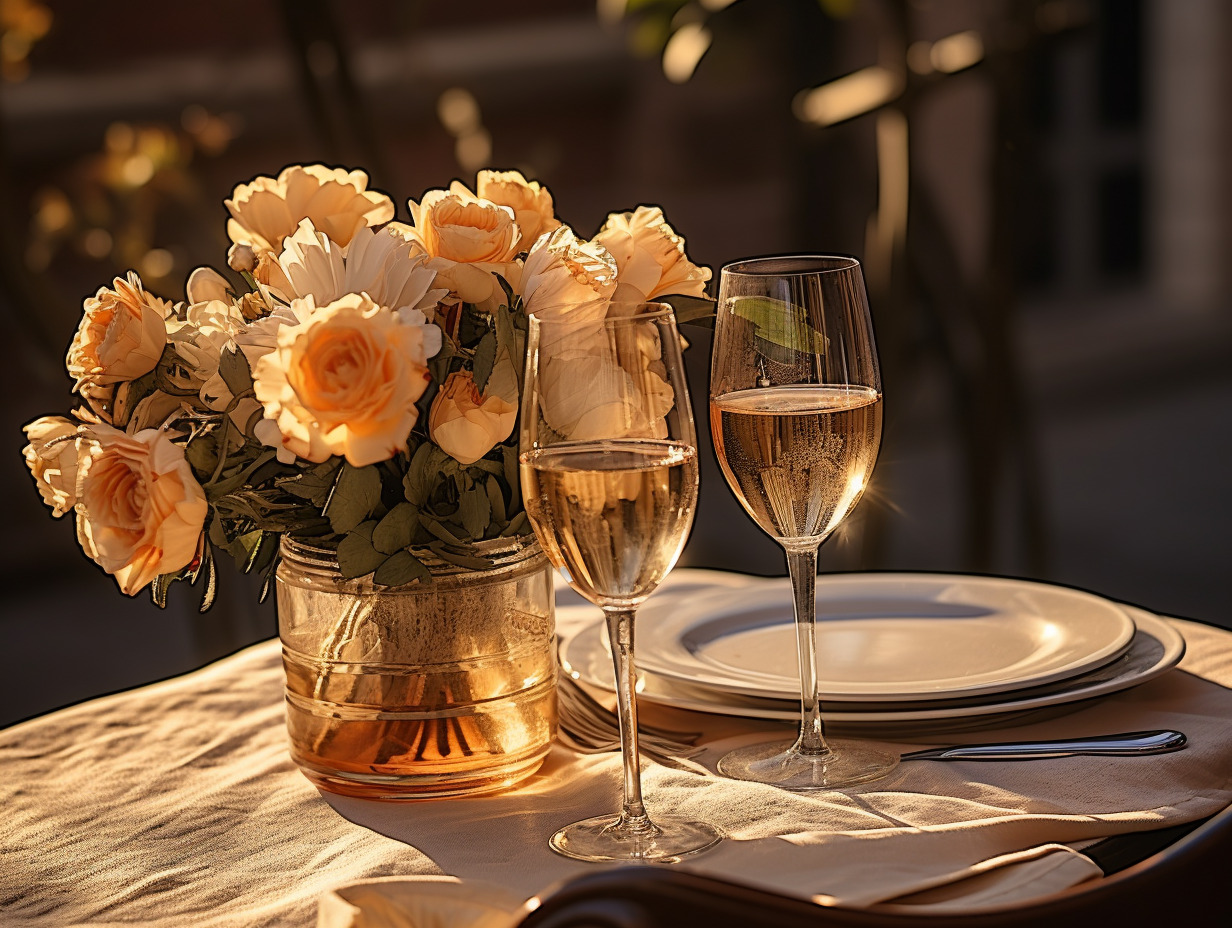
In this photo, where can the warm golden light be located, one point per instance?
(458, 110)
(683, 52)
(957, 52)
(847, 97)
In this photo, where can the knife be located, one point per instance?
(1126, 744)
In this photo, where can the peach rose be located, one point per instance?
(650, 256)
(344, 379)
(566, 279)
(469, 239)
(268, 209)
(465, 424)
(140, 511)
(121, 337)
(531, 203)
(51, 456)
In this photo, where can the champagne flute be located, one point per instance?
(795, 412)
(609, 476)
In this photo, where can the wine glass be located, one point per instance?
(609, 477)
(795, 413)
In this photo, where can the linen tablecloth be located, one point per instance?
(177, 804)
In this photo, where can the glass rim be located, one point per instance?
(661, 311)
(790, 265)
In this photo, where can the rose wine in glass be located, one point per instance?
(795, 416)
(609, 478)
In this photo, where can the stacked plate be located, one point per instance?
(911, 651)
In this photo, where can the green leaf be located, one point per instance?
(202, 453)
(485, 357)
(496, 499)
(779, 323)
(461, 560)
(160, 586)
(509, 454)
(356, 494)
(517, 525)
(234, 370)
(396, 530)
(691, 310)
(356, 556)
(437, 529)
(472, 325)
(401, 568)
(475, 510)
(417, 484)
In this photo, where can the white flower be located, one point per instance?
(205, 284)
(197, 334)
(385, 265)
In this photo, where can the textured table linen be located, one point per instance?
(177, 804)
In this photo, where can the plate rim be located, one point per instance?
(1155, 626)
(1110, 651)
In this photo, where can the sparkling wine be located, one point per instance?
(797, 457)
(614, 514)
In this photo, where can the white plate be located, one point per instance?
(883, 637)
(1156, 647)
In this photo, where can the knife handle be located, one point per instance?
(1126, 744)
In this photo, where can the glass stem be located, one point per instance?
(802, 566)
(633, 816)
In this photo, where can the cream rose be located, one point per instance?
(197, 334)
(531, 203)
(344, 380)
(121, 337)
(469, 239)
(589, 396)
(567, 280)
(51, 456)
(466, 424)
(650, 256)
(268, 209)
(140, 511)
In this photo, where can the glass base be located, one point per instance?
(605, 838)
(778, 764)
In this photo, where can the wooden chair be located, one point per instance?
(1183, 884)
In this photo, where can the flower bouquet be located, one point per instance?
(353, 382)
(338, 412)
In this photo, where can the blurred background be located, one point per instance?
(1039, 191)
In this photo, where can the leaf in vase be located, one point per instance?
(496, 499)
(356, 494)
(436, 528)
(401, 568)
(356, 555)
(234, 370)
(485, 357)
(396, 530)
(202, 453)
(517, 525)
(475, 510)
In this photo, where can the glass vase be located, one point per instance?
(426, 690)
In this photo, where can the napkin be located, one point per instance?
(418, 902)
